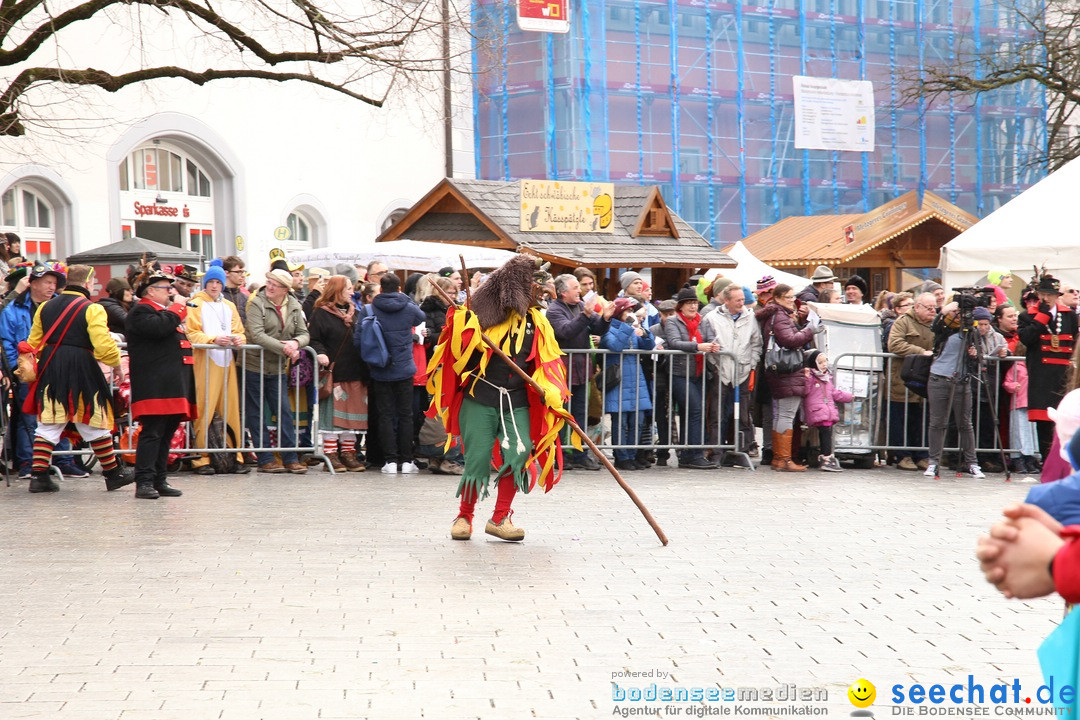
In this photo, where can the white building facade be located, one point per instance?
(218, 169)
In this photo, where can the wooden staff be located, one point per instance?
(569, 421)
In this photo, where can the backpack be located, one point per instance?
(370, 341)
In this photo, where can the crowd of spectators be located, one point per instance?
(654, 374)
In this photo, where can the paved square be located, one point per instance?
(343, 597)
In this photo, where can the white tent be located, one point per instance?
(1034, 228)
(404, 255)
(749, 270)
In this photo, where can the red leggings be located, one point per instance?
(507, 491)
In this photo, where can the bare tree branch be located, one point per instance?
(1047, 55)
(385, 42)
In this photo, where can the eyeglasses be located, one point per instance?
(241, 272)
(159, 287)
(904, 306)
(926, 307)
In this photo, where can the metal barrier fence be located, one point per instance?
(271, 399)
(871, 424)
(874, 422)
(655, 407)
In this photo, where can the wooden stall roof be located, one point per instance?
(487, 212)
(822, 239)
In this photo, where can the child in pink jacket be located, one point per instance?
(819, 405)
(1021, 430)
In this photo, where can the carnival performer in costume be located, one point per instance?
(73, 336)
(502, 422)
(1049, 333)
(215, 320)
(162, 384)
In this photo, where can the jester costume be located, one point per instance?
(502, 422)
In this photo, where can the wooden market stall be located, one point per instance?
(606, 227)
(893, 247)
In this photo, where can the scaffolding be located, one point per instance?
(696, 96)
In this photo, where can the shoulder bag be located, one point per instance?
(781, 360)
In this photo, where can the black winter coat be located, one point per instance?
(331, 337)
(116, 314)
(161, 367)
(435, 311)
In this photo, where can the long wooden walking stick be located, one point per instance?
(569, 421)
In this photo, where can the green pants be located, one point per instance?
(481, 427)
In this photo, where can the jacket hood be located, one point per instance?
(391, 302)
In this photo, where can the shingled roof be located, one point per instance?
(807, 240)
(487, 212)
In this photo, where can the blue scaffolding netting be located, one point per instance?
(696, 96)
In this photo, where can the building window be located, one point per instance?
(393, 218)
(300, 228)
(164, 170)
(24, 211)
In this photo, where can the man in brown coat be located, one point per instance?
(910, 335)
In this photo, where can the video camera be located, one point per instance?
(969, 298)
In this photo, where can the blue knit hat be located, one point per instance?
(214, 273)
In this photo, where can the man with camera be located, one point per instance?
(951, 379)
(1049, 334)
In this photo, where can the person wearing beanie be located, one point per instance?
(631, 283)
(855, 290)
(716, 295)
(819, 405)
(1000, 277)
(214, 320)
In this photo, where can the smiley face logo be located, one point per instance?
(862, 693)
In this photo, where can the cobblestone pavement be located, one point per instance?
(343, 597)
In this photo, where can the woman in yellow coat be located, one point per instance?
(213, 320)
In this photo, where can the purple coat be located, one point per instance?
(775, 320)
(819, 402)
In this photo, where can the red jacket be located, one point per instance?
(1067, 566)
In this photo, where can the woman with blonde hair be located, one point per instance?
(343, 393)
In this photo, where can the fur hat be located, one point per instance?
(509, 288)
(857, 282)
(628, 277)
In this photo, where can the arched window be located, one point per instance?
(26, 212)
(300, 228)
(164, 169)
(393, 218)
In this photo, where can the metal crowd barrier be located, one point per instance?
(666, 423)
(250, 427)
(871, 422)
(869, 425)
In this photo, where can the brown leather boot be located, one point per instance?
(335, 462)
(777, 456)
(352, 463)
(782, 453)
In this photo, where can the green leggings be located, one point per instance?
(481, 426)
